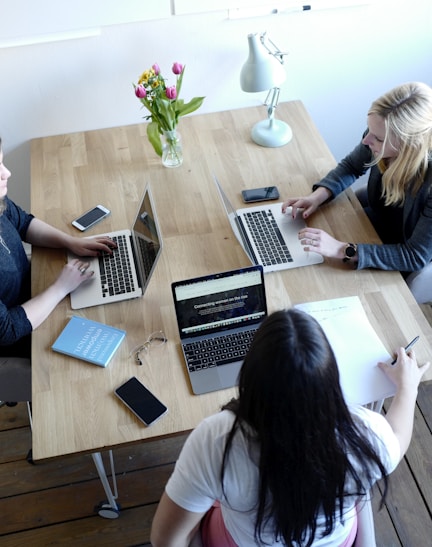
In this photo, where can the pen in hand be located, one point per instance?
(407, 348)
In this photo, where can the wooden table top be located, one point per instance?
(74, 407)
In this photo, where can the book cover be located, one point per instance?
(89, 340)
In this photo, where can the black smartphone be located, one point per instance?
(141, 401)
(90, 218)
(260, 194)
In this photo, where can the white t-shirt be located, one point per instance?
(195, 483)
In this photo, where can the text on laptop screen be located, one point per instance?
(220, 301)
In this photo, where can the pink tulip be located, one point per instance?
(156, 69)
(140, 91)
(171, 92)
(177, 68)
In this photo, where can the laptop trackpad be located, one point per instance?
(228, 374)
(215, 378)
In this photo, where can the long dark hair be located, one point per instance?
(289, 394)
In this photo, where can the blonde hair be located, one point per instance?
(407, 114)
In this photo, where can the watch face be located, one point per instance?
(350, 251)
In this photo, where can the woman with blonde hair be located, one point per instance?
(397, 149)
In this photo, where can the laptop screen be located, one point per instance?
(146, 239)
(236, 223)
(220, 301)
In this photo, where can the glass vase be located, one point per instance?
(172, 152)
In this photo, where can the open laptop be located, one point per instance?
(217, 317)
(268, 236)
(126, 273)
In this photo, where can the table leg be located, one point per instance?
(109, 509)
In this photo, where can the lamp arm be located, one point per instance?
(272, 101)
(276, 52)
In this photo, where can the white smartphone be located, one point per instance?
(90, 218)
(141, 401)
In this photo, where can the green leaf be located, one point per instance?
(191, 106)
(154, 137)
(168, 114)
(179, 82)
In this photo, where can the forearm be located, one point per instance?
(179, 539)
(400, 416)
(347, 171)
(39, 308)
(320, 195)
(41, 234)
(406, 374)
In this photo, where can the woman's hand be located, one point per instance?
(90, 246)
(308, 204)
(405, 373)
(72, 275)
(314, 239)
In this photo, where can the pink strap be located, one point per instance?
(349, 542)
(213, 531)
(215, 534)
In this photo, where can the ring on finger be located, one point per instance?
(83, 270)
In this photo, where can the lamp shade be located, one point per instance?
(261, 71)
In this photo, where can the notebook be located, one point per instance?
(126, 273)
(217, 317)
(268, 236)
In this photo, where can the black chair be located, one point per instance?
(15, 381)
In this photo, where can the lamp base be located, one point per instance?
(271, 133)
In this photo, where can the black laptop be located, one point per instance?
(217, 317)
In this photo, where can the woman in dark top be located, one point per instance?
(397, 148)
(19, 312)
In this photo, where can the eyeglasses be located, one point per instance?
(155, 340)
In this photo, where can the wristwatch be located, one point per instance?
(350, 251)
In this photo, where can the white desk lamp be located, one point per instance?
(263, 70)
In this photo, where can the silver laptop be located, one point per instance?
(126, 273)
(268, 236)
(217, 317)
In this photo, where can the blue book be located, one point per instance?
(89, 340)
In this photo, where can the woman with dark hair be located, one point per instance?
(286, 462)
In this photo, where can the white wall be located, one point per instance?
(339, 61)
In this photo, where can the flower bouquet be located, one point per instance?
(164, 105)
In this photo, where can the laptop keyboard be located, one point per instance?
(267, 237)
(218, 351)
(116, 270)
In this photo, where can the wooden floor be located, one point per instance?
(52, 503)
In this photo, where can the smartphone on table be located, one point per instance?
(260, 194)
(90, 218)
(141, 401)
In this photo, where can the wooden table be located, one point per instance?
(74, 408)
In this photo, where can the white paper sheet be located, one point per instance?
(357, 348)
